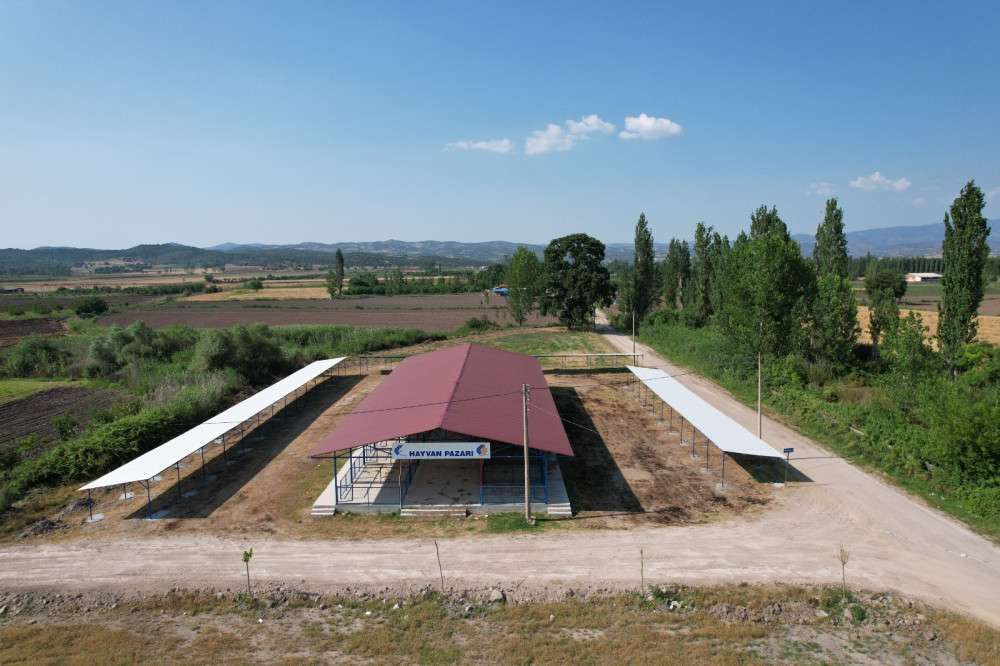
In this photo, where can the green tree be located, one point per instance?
(91, 306)
(834, 308)
(644, 270)
(524, 282)
(676, 271)
(765, 280)
(699, 305)
(332, 284)
(830, 250)
(338, 270)
(575, 279)
(965, 252)
(834, 320)
(882, 286)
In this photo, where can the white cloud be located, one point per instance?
(552, 138)
(556, 139)
(919, 202)
(490, 145)
(877, 181)
(589, 125)
(649, 128)
(821, 189)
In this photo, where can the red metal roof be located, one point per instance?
(468, 390)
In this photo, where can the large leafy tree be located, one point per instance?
(766, 278)
(524, 283)
(834, 308)
(575, 279)
(644, 270)
(965, 252)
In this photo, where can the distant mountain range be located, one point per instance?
(922, 240)
(919, 241)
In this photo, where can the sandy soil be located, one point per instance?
(895, 542)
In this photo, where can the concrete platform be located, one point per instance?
(438, 488)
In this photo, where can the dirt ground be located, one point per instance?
(11, 331)
(34, 414)
(895, 542)
(430, 313)
(717, 625)
(630, 467)
(629, 470)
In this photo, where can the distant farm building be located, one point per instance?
(443, 434)
(923, 277)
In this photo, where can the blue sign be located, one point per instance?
(788, 450)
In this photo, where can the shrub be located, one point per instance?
(249, 350)
(35, 356)
(92, 306)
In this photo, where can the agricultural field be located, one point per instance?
(927, 296)
(12, 330)
(989, 326)
(433, 313)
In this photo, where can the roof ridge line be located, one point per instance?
(454, 388)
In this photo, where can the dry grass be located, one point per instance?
(201, 628)
(989, 326)
(270, 292)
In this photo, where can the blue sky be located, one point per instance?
(129, 122)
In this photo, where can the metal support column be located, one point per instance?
(178, 466)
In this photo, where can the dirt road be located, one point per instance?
(895, 543)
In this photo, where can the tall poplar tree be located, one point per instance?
(524, 281)
(338, 270)
(834, 309)
(965, 252)
(644, 270)
(830, 250)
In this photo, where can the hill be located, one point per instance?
(916, 241)
(60, 260)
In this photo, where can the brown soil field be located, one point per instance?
(13, 330)
(61, 299)
(34, 414)
(430, 313)
(989, 326)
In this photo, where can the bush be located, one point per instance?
(249, 350)
(92, 306)
(35, 356)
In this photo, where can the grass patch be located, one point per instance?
(499, 523)
(553, 342)
(14, 389)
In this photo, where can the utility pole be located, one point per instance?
(525, 396)
(633, 336)
(760, 422)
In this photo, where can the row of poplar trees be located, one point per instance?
(770, 300)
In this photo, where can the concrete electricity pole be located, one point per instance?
(525, 396)
(760, 421)
(633, 336)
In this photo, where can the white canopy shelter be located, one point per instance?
(172, 452)
(725, 433)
